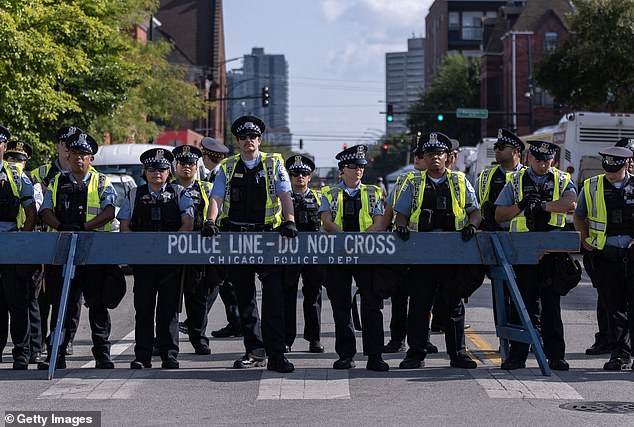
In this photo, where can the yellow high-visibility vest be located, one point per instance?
(369, 194)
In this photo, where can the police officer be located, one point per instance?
(252, 192)
(41, 177)
(352, 206)
(15, 191)
(605, 219)
(305, 206)
(156, 206)
(537, 199)
(196, 286)
(80, 200)
(213, 153)
(437, 199)
(18, 153)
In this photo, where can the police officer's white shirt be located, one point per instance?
(108, 197)
(26, 196)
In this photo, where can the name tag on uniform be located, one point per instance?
(238, 175)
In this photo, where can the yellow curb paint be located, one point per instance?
(486, 353)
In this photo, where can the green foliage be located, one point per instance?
(456, 85)
(382, 162)
(73, 62)
(597, 59)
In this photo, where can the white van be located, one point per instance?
(124, 159)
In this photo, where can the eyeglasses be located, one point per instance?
(154, 170)
(355, 166)
(500, 147)
(186, 163)
(250, 136)
(301, 173)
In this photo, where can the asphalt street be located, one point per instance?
(207, 391)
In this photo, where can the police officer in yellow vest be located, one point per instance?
(306, 206)
(537, 199)
(353, 206)
(436, 199)
(15, 191)
(605, 219)
(81, 200)
(252, 192)
(196, 287)
(158, 206)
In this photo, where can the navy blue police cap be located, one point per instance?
(615, 156)
(506, 137)
(543, 150)
(19, 149)
(353, 155)
(434, 142)
(248, 125)
(213, 148)
(65, 132)
(299, 163)
(5, 134)
(157, 158)
(187, 153)
(626, 142)
(455, 146)
(83, 143)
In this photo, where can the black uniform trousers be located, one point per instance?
(266, 336)
(533, 293)
(156, 287)
(45, 301)
(228, 297)
(35, 320)
(14, 300)
(339, 287)
(616, 287)
(398, 322)
(313, 277)
(197, 297)
(425, 284)
(89, 280)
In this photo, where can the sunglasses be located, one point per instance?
(353, 167)
(500, 147)
(250, 136)
(302, 173)
(154, 170)
(186, 163)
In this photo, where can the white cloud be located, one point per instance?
(333, 9)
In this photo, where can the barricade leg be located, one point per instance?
(505, 331)
(58, 334)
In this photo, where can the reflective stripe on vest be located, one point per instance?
(205, 187)
(457, 189)
(557, 219)
(594, 192)
(334, 195)
(96, 187)
(399, 185)
(484, 183)
(273, 208)
(15, 181)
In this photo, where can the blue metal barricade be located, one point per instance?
(498, 250)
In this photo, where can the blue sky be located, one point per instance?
(335, 50)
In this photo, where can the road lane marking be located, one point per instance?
(116, 349)
(523, 384)
(118, 384)
(486, 352)
(304, 384)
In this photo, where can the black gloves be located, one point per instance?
(528, 200)
(209, 229)
(288, 229)
(532, 210)
(468, 232)
(70, 227)
(402, 232)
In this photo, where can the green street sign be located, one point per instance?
(472, 113)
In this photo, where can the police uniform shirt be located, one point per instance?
(282, 183)
(504, 172)
(107, 198)
(621, 241)
(404, 202)
(35, 172)
(26, 196)
(211, 176)
(185, 204)
(377, 209)
(506, 197)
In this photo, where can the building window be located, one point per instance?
(551, 41)
(472, 25)
(454, 21)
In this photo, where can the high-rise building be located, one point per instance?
(245, 89)
(404, 81)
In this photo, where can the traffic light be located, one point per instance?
(389, 116)
(440, 117)
(265, 96)
(385, 148)
(301, 144)
(345, 146)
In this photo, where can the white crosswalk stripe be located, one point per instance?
(523, 384)
(305, 384)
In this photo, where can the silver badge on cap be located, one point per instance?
(544, 148)
(82, 138)
(19, 145)
(361, 152)
(298, 160)
(72, 130)
(609, 160)
(160, 154)
(433, 138)
(499, 133)
(186, 149)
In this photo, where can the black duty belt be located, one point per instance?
(621, 254)
(247, 227)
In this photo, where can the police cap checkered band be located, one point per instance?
(506, 137)
(626, 142)
(299, 163)
(19, 149)
(65, 132)
(5, 134)
(354, 154)
(616, 156)
(435, 141)
(187, 152)
(543, 150)
(248, 125)
(158, 158)
(82, 142)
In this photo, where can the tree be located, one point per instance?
(594, 68)
(383, 162)
(73, 62)
(456, 85)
